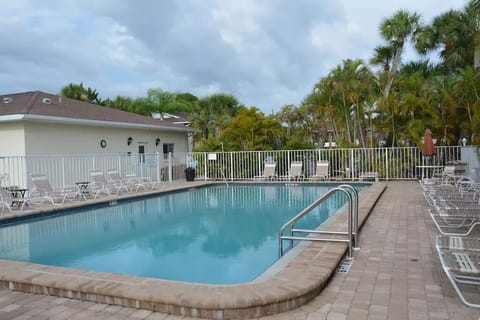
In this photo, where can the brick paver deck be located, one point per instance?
(395, 275)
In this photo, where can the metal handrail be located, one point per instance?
(304, 212)
(356, 240)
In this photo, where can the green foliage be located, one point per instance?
(79, 92)
(250, 129)
(298, 145)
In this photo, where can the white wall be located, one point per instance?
(12, 142)
(64, 139)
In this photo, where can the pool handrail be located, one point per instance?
(356, 240)
(313, 205)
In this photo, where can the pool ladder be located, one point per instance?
(352, 230)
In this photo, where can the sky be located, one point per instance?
(267, 53)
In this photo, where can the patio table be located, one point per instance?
(18, 196)
(83, 189)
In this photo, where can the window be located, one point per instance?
(167, 148)
(141, 153)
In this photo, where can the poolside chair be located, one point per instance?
(321, 171)
(368, 175)
(100, 185)
(268, 172)
(454, 222)
(42, 189)
(147, 182)
(3, 180)
(114, 178)
(462, 267)
(294, 172)
(458, 243)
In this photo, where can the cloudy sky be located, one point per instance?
(267, 53)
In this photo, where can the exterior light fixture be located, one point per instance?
(157, 142)
(129, 141)
(464, 141)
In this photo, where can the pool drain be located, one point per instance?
(344, 265)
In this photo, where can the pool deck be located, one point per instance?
(395, 275)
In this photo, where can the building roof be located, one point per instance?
(41, 106)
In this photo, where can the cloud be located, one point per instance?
(267, 53)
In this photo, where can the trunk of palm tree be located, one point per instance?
(346, 120)
(393, 72)
(393, 128)
(476, 57)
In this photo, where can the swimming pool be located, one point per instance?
(213, 234)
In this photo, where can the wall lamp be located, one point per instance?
(129, 141)
(157, 142)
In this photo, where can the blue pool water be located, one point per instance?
(213, 234)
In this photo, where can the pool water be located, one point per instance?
(216, 234)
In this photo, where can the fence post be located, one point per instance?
(25, 178)
(63, 173)
(120, 171)
(205, 156)
(231, 165)
(170, 167)
(158, 166)
(352, 164)
(386, 164)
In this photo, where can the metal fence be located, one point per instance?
(345, 164)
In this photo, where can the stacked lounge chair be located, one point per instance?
(455, 209)
(101, 185)
(131, 184)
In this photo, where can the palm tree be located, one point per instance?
(211, 113)
(383, 57)
(456, 34)
(445, 103)
(79, 92)
(467, 90)
(396, 31)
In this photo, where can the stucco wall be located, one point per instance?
(12, 142)
(64, 139)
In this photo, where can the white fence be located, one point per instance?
(346, 164)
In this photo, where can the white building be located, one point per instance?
(37, 123)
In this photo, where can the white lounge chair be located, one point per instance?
(101, 185)
(114, 178)
(368, 175)
(268, 172)
(321, 171)
(42, 189)
(458, 243)
(462, 267)
(294, 172)
(145, 181)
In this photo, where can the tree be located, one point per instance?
(170, 102)
(78, 92)
(250, 129)
(396, 30)
(456, 34)
(212, 111)
(467, 90)
(383, 57)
